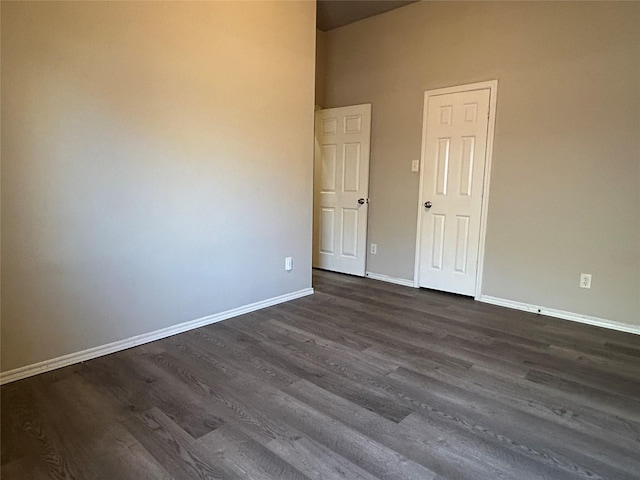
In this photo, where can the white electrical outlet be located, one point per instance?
(374, 248)
(585, 280)
(415, 165)
(288, 263)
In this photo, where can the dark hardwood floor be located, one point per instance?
(363, 380)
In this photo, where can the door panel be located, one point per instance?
(454, 151)
(341, 178)
(349, 239)
(327, 235)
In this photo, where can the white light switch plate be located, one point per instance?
(415, 165)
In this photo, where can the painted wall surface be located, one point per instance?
(565, 181)
(321, 58)
(156, 166)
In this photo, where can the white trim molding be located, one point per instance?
(385, 278)
(84, 355)
(552, 312)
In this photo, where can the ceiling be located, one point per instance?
(336, 13)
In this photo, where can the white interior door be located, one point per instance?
(341, 188)
(453, 166)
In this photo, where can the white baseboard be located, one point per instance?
(84, 355)
(386, 278)
(552, 312)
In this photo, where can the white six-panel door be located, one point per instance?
(341, 188)
(453, 165)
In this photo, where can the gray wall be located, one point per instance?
(156, 166)
(321, 59)
(566, 166)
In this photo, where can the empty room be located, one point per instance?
(301, 240)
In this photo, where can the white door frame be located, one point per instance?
(492, 85)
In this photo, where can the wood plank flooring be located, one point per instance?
(363, 380)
